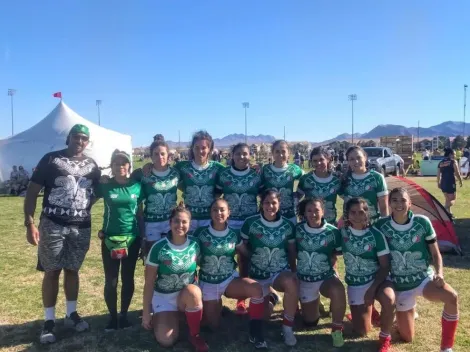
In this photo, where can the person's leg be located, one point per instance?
(127, 279)
(406, 324)
(243, 269)
(386, 297)
(309, 296)
(361, 322)
(450, 314)
(287, 282)
(50, 291)
(111, 275)
(166, 328)
(334, 290)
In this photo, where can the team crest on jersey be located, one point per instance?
(113, 196)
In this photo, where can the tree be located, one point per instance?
(458, 142)
(369, 143)
(468, 142)
(301, 147)
(443, 142)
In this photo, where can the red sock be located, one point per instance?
(288, 320)
(256, 308)
(449, 326)
(336, 326)
(193, 317)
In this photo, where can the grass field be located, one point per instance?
(21, 311)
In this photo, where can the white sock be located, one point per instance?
(71, 307)
(49, 313)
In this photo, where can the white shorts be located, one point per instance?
(195, 224)
(154, 230)
(165, 302)
(267, 283)
(214, 292)
(356, 294)
(406, 300)
(309, 291)
(236, 224)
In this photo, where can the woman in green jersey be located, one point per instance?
(170, 284)
(369, 185)
(367, 265)
(269, 240)
(281, 176)
(122, 199)
(240, 186)
(316, 242)
(218, 275)
(413, 246)
(160, 189)
(321, 182)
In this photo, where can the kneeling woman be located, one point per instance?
(170, 284)
(413, 247)
(266, 238)
(218, 275)
(367, 264)
(317, 243)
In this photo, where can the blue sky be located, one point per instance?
(163, 66)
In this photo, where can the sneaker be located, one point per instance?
(338, 340)
(385, 344)
(375, 317)
(288, 337)
(112, 325)
(76, 322)
(256, 336)
(47, 333)
(241, 307)
(124, 323)
(259, 344)
(198, 343)
(447, 350)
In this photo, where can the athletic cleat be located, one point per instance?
(385, 344)
(447, 350)
(47, 333)
(256, 336)
(124, 323)
(76, 322)
(198, 343)
(241, 307)
(288, 337)
(258, 343)
(338, 340)
(112, 325)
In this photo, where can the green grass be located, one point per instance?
(21, 311)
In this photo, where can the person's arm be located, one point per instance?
(292, 255)
(384, 270)
(439, 176)
(382, 195)
(140, 220)
(150, 277)
(29, 208)
(437, 263)
(457, 172)
(383, 206)
(243, 249)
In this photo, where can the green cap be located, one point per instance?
(79, 128)
(119, 153)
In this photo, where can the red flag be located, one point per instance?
(57, 95)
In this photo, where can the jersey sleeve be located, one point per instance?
(298, 172)
(291, 235)
(218, 183)
(245, 230)
(137, 175)
(381, 243)
(98, 190)
(301, 185)
(430, 233)
(239, 238)
(152, 258)
(40, 173)
(382, 189)
(338, 241)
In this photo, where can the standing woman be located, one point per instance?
(367, 265)
(120, 236)
(281, 176)
(268, 240)
(218, 274)
(170, 284)
(413, 245)
(240, 186)
(317, 243)
(448, 170)
(321, 182)
(199, 176)
(160, 189)
(369, 185)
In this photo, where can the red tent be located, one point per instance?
(425, 203)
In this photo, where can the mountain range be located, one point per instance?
(230, 140)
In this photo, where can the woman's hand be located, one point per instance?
(147, 321)
(439, 280)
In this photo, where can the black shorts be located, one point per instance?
(448, 188)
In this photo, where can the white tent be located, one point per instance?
(49, 134)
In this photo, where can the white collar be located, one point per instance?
(315, 230)
(404, 227)
(322, 179)
(239, 172)
(161, 173)
(360, 176)
(267, 223)
(200, 167)
(358, 233)
(217, 233)
(180, 247)
(279, 169)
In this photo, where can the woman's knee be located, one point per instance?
(166, 338)
(387, 298)
(452, 297)
(254, 290)
(191, 294)
(110, 283)
(290, 284)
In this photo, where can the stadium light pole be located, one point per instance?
(246, 105)
(98, 103)
(352, 98)
(464, 106)
(11, 93)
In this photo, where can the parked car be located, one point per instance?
(383, 160)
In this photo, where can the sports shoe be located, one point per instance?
(241, 307)
(47, 333)
(288, 336)
(76, 322)
(112, 325)
(375, 317)
(258, 343)
(256, 336)
(447, 350)
(385, 344)
(338, 340)
(124, 323)
(198, 343)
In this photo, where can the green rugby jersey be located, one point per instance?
(176, 264)
(198, 184)
(217, 253)
(361, 249)
(240, 189)
(315, 247)
(411, 258)
(327, 189)
(369, 186)
(268, 243)
(282, 179)
(121, 203)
